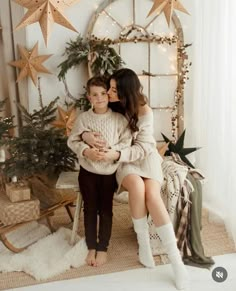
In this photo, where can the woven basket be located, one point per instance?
(16, 212)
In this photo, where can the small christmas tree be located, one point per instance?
(6, 124)
(39, 149)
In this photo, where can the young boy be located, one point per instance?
(97, 179)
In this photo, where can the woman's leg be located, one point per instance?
(154, 202)
(165, 231)
(135, 186)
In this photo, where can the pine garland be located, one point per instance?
(102, 57)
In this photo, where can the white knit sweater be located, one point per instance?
(114, 129)
(142, 158)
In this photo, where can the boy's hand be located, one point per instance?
(111, 155)
(94, 154)
(94, 139)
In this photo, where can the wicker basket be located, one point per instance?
(16, 212)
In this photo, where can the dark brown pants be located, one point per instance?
(97, 192)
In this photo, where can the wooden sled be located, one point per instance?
(67, 202)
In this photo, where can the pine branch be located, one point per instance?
(6, 124)
(40, 93)
(68, 94)
(39, 118)
(76, 52)
(105, 58)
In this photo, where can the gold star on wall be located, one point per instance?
(66, 119)
(46, 12)
(30, 63)
(167, 6)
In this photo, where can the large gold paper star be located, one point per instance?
(66, 119)
(46, 12)
(30, 63)
(167, 6)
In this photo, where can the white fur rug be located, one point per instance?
(49, 256)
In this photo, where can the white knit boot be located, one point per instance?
(167, 236)
(144, 251)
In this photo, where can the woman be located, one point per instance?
(140, 171)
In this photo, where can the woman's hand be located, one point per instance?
(94, 154)
(94, 139)
(111, 155)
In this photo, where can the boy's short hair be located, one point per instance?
(98, 81)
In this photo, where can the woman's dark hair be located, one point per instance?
(98, 81)
(129, 91)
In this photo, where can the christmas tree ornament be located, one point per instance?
(66, 119)
(167, 6)
(46, 12)
(30, 63)
(178, 148)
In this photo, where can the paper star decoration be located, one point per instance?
(66, 119)
(162, 150)
(46, 12)
(167, 6)
(30, 63)
(179, 149)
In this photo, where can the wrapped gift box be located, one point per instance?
(15, 212)
(19, 191)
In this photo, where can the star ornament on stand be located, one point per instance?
(46, 12)
(179, 149)
(167, 6)
(66, 119)
(30, 63)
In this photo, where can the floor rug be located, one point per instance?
(51, 255)
(122, 253)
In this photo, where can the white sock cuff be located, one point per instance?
(166, 232)
(140, 224)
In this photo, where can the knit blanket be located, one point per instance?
(175, 185)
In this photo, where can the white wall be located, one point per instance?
(79, 15)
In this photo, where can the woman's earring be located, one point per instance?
(91, 105)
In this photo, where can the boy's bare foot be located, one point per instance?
(101, 258)
(91, 258)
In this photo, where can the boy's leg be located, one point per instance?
(89, 190)
(107, 189)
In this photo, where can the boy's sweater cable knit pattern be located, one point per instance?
(114, 129)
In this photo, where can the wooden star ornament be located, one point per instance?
(30, 63)
(46, 12)
(179, 149)
(65, 119)
(167, 6)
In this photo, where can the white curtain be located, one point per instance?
(214, 104)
